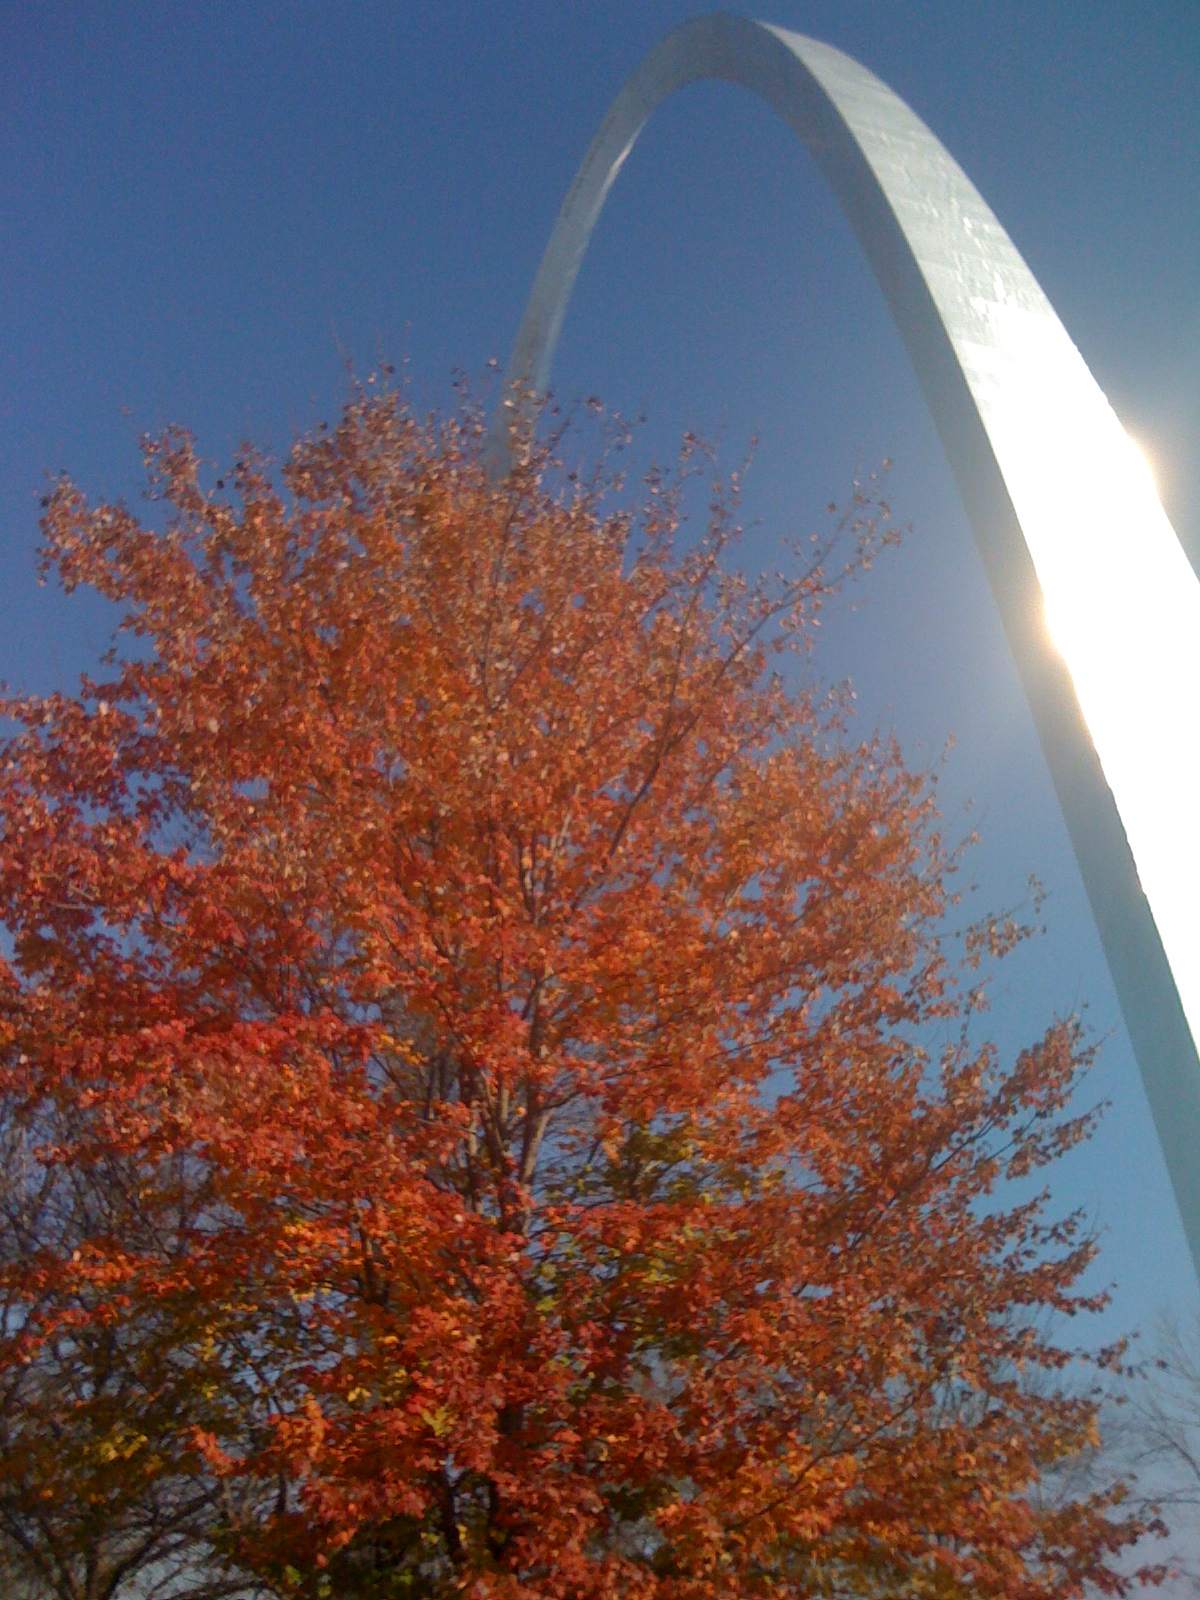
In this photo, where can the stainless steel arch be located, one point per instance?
(1099, 602)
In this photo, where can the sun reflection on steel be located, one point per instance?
(1099, 602)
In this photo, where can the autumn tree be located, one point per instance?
(595, 1184)
(100, 1493)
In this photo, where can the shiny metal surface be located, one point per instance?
(1100, 605)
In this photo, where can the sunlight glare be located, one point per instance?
(1122, 606)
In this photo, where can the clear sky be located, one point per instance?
(205, 211)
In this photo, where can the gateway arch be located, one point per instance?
(1099, 602)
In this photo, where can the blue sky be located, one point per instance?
(205, 211)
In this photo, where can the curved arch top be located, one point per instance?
(1099, 602)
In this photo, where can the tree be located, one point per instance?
(598, 1186)
(1154, 1433)
(100, 1494)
